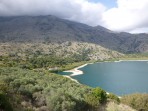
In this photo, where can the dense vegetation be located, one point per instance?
(137, 101)
(27, 84)
(45, 44)
(38, 60)
(23, 89)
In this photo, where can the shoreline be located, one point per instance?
(129, 60)
(76, 70)
(71, 79)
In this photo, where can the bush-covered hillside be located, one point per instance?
(137, 101)
(27, 84)
(26, 90)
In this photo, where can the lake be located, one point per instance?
(120, 78)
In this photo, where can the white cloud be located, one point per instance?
(129, 15)
(77, 10)
(140, 30)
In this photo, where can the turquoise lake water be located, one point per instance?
(117, 77)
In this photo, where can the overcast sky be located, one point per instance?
(117, 15)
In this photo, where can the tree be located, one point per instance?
(100, 94)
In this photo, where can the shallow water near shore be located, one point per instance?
(121, 78)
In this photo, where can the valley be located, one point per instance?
(34, 48)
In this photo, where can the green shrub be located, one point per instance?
(113, 97)
(61, 102)
(92, 101)
(100, 94)
(137, 101)
(39, 88)
(4, 103)
(3, 87)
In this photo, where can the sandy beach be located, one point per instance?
(71, 78)
(76, 70)
(129, 60)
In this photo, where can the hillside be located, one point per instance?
(85, 51)
(32, 48)
(26, 90)
(50, 29)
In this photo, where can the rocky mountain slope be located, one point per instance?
(50, 29)
(85, 51)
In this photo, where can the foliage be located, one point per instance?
(96, 98)
(99, 94)
(4, 103)
(35, 90)
(113, 97)
(137, 101)
(92, 102)
(35, 61)
(4, 100)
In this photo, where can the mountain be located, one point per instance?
(100, 28)
(33, 47)
(50, 29)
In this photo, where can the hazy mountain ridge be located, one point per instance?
(51, 29)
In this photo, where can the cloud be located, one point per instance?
(129, 15)
(140, 30)
(78, 10)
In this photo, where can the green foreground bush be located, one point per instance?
(113, 97)
(136, 101)
(38, 90)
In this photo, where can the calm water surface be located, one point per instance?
(117, 77)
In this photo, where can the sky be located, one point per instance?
(107, 3)
(117, 15)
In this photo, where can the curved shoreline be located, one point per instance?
(76, 70)
(130, 60)
(71, 79)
